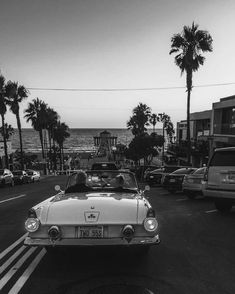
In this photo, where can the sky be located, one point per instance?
(113, 44)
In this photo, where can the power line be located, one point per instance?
(125, 89)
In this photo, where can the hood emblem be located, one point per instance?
(91, 216)
(92, 207)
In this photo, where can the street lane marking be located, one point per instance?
(13, 198)
(21, 281)
(11, 259)
(2, 254)
(210, 211)
(16, 267)
(182, 199)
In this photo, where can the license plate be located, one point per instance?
(90, 232)
(172, 180)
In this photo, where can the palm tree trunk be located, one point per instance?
(41, 141)
(62, 149)
(54, 156)
(163, 134)
(189, 89)
(21, 142)
(4, 141)
(60, 157)
(49, 138)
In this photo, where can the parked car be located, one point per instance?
(103, 214)
(173, 182)
(6, 177)
(192, 183)
(220, 178)
(140, 171)
(33, 175)
(104, 166)
(156, 176)
(21, 177)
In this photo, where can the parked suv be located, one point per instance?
(6, 177)
(220, 178)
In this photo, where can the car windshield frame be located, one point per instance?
(106, 180)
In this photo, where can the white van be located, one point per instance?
(220, 178)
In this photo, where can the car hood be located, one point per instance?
(93, 208)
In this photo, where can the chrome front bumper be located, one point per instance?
(92, 242)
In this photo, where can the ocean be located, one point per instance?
(80, 139)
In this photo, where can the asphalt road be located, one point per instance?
(196, 254)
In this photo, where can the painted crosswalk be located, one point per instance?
(18, 260)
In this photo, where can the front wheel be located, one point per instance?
(223, 205)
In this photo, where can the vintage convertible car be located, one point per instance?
(106, 214)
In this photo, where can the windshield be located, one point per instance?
(183, 171)
(108, 180)
(223, 158)
(200, 171)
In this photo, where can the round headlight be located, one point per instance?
(32, 224)
(150, 224)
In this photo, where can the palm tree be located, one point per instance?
(139, 120)
(3, 110)
(188, 46)
(37, 114)
(153, 120)
(9, 131)
(60, 134)
(52, 119)
(15, 94)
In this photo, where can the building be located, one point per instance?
(200, 127)
(215, 127)
(223, 123)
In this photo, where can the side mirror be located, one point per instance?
(147, 188)
(57, 188)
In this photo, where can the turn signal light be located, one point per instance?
(151, 212)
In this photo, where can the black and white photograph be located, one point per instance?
(117, 147)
